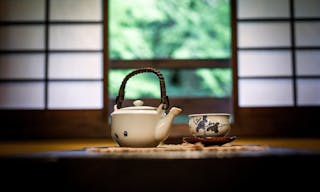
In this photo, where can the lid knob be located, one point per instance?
(138, 103)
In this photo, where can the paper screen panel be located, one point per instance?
(308, 92)
(17, 37)
(262, 9)
(307, 33)
(22, 66)
(26, 10)
(264, 63)
(267, 34)
(24, 95)
(75, 95)
(265, 92)
(76, 37)
(76, 10)
(75, 65)
(307, 8)
(308, 62)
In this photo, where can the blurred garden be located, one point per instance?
(171, 29)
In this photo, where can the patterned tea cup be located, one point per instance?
(209, 124)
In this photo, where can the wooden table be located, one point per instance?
(31, 146)
(64, 165)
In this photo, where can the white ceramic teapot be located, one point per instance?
(138, 125)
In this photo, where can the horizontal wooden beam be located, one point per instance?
(277, 122)
(171, 63)
(53, 124)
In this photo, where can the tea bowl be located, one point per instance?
(209, 124)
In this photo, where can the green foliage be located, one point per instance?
(184, 29)
(182, 83)
(216, 81)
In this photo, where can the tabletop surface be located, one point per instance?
(74, 154)
(78, 148)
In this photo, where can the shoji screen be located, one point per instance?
(276, 66)
(278, 48)
(51, 54)
(307, 36)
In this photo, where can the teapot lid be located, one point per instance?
(136, 109)
(138, 105)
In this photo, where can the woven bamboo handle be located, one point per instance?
(164, 97)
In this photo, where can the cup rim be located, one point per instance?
(209, 114)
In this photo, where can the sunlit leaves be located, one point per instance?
(184, 29)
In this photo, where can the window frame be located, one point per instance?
(90, 123)
(260, 121)
(189, 105)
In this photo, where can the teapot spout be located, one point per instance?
(174, 111)
(163, 127)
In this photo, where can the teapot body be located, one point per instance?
(135, 130)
